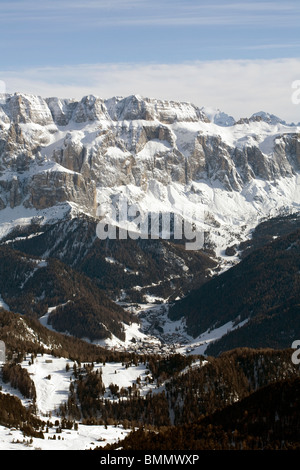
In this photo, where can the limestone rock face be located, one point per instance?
(15, 194)
(26, 109)
(61, 110)
(16, 151)
(49, 188)
(71, 155)
(90, 108)
(287, 150)
(134, 107)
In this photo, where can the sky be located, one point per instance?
(241, 57)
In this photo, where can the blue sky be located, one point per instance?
(120, 47)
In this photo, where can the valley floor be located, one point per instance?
(157, 334)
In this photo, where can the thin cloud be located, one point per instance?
(64, 11)
(259, 6)
(258, 47)
(68, 5)
(133, 13)
(265, 21)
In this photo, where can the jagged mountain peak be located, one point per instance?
(26, 108)
(269, 118)
(137, 107)
(218, 117)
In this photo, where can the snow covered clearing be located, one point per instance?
(85, 438)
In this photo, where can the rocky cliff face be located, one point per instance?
(54, 150)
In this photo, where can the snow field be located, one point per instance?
(85, 438)
(52, 381)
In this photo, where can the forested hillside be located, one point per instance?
(266, 420)
(261, 293)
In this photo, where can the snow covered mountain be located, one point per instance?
(161, 154)
(218, 117)
(61, 158)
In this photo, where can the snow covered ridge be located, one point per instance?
(26, 108)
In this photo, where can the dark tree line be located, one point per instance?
(19, 379)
